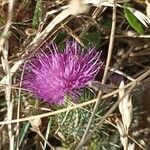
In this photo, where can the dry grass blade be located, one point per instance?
(125, 107)
(65, 109)
(110, 49)
(6, 68)
(101, 116)
(148, 8)
(131, 146)
(147, 73)
(123, 136)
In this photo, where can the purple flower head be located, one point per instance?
(52, 75)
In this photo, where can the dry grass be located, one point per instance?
(27, 123)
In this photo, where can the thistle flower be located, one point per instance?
(52, 75)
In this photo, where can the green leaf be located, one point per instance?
(61, 36)
(37, 18)
(59, 40)
(92, 38)
(23, 132)
(133, 21)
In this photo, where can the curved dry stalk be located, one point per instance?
(99, 97)
(140, 78)
(63, 110)
(147, 73)
(6, 68)
(18, 109)
(112, 124)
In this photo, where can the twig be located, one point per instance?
(65, 109)
(6, 68)
(99, 97)
(108, 112)
(41, 36)
(18, 109)
(147, 73)
(121, 73)
(143, 76)
(112, 125)
(75, 7)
